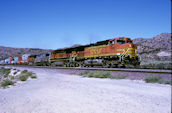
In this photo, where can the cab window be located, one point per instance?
(129, 41)
(121, 41)
(112, 42)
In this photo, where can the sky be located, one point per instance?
(53, 24)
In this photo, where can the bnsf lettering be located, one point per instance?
(95, 51)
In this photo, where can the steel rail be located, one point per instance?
(103, 69)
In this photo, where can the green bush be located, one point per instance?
(90, 74)
(24, 71)
(15, 73)
(84, 73)
(102, 75)
(6, 83)
(6, 72)
(152, 79)
(29, 73)
(99, 75)
(157, 79)
(167, 82)
(11, 77)
(33, 76)
(23, 77)
(119, 77)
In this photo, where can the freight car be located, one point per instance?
(42, 59)
(117, 52)
(25, 59)
(15, 60)
(8, 60)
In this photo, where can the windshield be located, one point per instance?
(129, 41)
(112, 42)
(121, 41)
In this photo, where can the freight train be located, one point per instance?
(117, 52)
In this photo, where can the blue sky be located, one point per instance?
(52, 24)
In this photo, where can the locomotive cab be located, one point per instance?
(124, 46)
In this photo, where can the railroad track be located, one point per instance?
(104, 69)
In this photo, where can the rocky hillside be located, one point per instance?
(156, 48)
(6, 52)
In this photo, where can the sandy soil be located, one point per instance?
(54, 92)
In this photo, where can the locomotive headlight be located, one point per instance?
(118, 54)
(129, 45)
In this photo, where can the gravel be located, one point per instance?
(57, 92)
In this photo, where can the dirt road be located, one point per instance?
(54, 92)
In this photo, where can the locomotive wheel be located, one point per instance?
(106, 64)
(79, 64)
(65, 65)
(83, 65)
(71, 65)
(76, 64)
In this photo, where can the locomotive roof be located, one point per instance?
(124, 38)
(81, 47)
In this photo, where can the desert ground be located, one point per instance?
(57, 92)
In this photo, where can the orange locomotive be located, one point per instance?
(109, 53)
(31, 59)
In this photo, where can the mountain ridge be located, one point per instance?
(151, 48)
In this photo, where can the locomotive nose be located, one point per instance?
(132, 50)
(131, 45)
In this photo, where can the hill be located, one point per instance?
(155, 52)
(6, 52)
(156, 48)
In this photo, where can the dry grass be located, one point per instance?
(156, 79)
(25, 75)
(6, 83)
(101, 75)
(7, 79)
